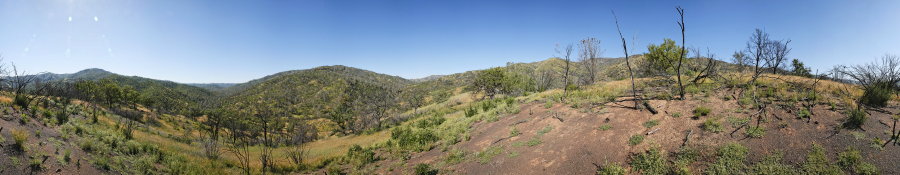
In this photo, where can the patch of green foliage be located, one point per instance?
(605, 127)
(737, 121)
(676, 114)
(635, 139)
(412, 138)
(489, 153)
(851, 161)
(514, 132)
(471, 112)
(534, 141)
(651, 123)
(430, 122)
(803, 114)
(713, 125)
(425, 169)
(701, 111)
(855, 119)
(20, 137)
(359, 156)
(612, 169)
(455, 157)
(729, 159)
(650, 162)
(545, 130)
(773, 164)
(877, 95)
(756, 131)
(817, 162)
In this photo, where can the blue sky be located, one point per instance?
(236, 41)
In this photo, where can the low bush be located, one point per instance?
(851, 161)
(772, 164)
(855, 119)
(534, 142)
(877, 96)
(713, 126)
(455, 157)
(425, 169)
(471, 112)
(817, 162)
(430, 122)
(20, 137)
(635, 139)
(756, 131)
(612, 169)
(489, 153)
(804, 114)
(545, 130)
(650, 162)
(651, 123)
(604, 127)
(412, 138)
(359, 156)
(701, 111)
(729, 158)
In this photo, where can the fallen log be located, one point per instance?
(650, 108)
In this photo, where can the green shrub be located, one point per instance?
(756, 131)
(773, 165)
(803, 114)
(738, 121)
(651, 123)
(817, 162)
(360, 156)
(471, 112)
(20, 137)
(676, 114)
(548, 104)
(455, 157)
(635, 139)
(430, 122)
(713, 125)
(877, 96)
(489, 153)
(514, 132)
(36, 164)
(612, 169)
(650, 162)
(534, 141)
(413, 139)
(701, 111)
(729, 159)
(425, 169)
(855, 119)
(851, 161)
(545, 130)
(604, 127)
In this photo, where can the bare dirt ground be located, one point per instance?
(49, 147)
(575, 145)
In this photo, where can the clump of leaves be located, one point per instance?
(701, 111)
(729, 158)
(20, 137)
(817, 162)
(635, 139)
(514, 132)
(651, 161)
(850, 160)
(713, 125)
(605, 127)
(612, 169)
(676, 114)
(425, 169)
(489, 153)
(803, 114)
(455, 156)
(534, 141)
(651, 123)
(855, 119)
(756, 131)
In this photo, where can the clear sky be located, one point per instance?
(231, 41)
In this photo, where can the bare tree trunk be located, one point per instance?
(566, 74)
(681, 55)
(627, 62)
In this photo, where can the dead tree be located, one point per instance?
(780, 50)
(681, 55)
(627, 62)
(590, 50)
(758, 48)
(568, 53)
